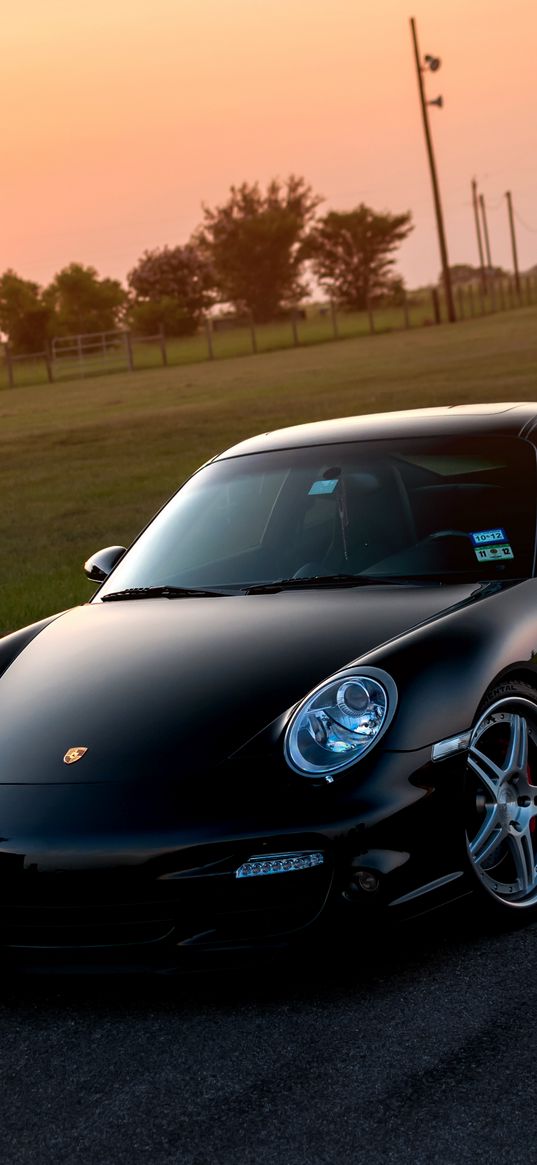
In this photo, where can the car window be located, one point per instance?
(232, 518)
(427, 508)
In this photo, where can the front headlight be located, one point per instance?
(340, 721)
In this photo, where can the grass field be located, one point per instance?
(83, 464)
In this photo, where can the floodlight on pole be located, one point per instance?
(432, 64)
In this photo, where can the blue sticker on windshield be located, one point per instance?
(325, 486)
(486, 537)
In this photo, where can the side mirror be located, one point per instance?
(101, 564)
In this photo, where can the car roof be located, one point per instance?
(511, 418)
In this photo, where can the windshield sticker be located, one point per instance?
(326, 486)
(493, 553)
(485, 537)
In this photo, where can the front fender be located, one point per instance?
(11, 645)
(443, 669)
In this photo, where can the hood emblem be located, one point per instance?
(74, 754)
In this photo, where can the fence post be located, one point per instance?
(253, 336)
(502, 296)
(370, 317)
(493, 294)
(294, 327)
(9, 365)
(460, 304)
(48, 365)
(436, 305)
(471, 299)
(405, 310)
(162, 344)
(333, 317)
(209, 336)
(128, 350)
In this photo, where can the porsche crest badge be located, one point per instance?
(74, 754)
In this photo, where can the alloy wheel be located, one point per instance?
(501, 808)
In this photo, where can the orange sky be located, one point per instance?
(120, 116)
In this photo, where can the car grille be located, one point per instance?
(194, 906)
(50, 928)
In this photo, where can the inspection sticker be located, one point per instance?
(485, 537)
(493, 553)
(325, 486)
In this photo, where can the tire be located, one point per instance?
(500, 803)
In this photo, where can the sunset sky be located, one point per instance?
(119, 117)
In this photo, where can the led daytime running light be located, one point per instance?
(278, 864)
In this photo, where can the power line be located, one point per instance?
(495, 205)
(525, 224)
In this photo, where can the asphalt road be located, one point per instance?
(423, 1051)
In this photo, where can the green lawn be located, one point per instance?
(84, 463)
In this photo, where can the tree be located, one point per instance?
(81, 302)
(255, 241)
(464, 273)
(173, 287)
(24, 318)
(352, 253)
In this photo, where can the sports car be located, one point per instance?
(304, 698)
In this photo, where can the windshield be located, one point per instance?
(449, 509)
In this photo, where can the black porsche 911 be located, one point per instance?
(307, 693)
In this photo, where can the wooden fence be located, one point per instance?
(105, 352)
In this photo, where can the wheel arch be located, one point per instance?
(518, 672)
(444, 669)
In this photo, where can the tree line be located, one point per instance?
(253, 254)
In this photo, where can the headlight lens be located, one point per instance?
(340, 721)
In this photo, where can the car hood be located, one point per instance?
(159, 688)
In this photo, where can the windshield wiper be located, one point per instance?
(164, 592)
(339, 580)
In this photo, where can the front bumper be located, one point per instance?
(196, 905)
(123, 875)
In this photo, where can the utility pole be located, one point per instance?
(433, 63)
(478, 233)
(485, 232)
(513, 242)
